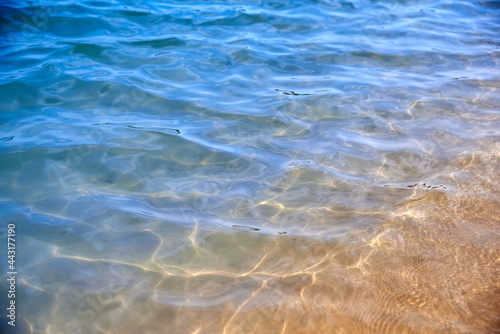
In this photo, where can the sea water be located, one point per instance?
(262, 166)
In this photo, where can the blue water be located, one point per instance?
(251, 167)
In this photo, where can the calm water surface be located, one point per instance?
(260, 167)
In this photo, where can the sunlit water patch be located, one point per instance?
(251, 167)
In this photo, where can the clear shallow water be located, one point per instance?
(258, 167)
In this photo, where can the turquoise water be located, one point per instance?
(251, 167)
